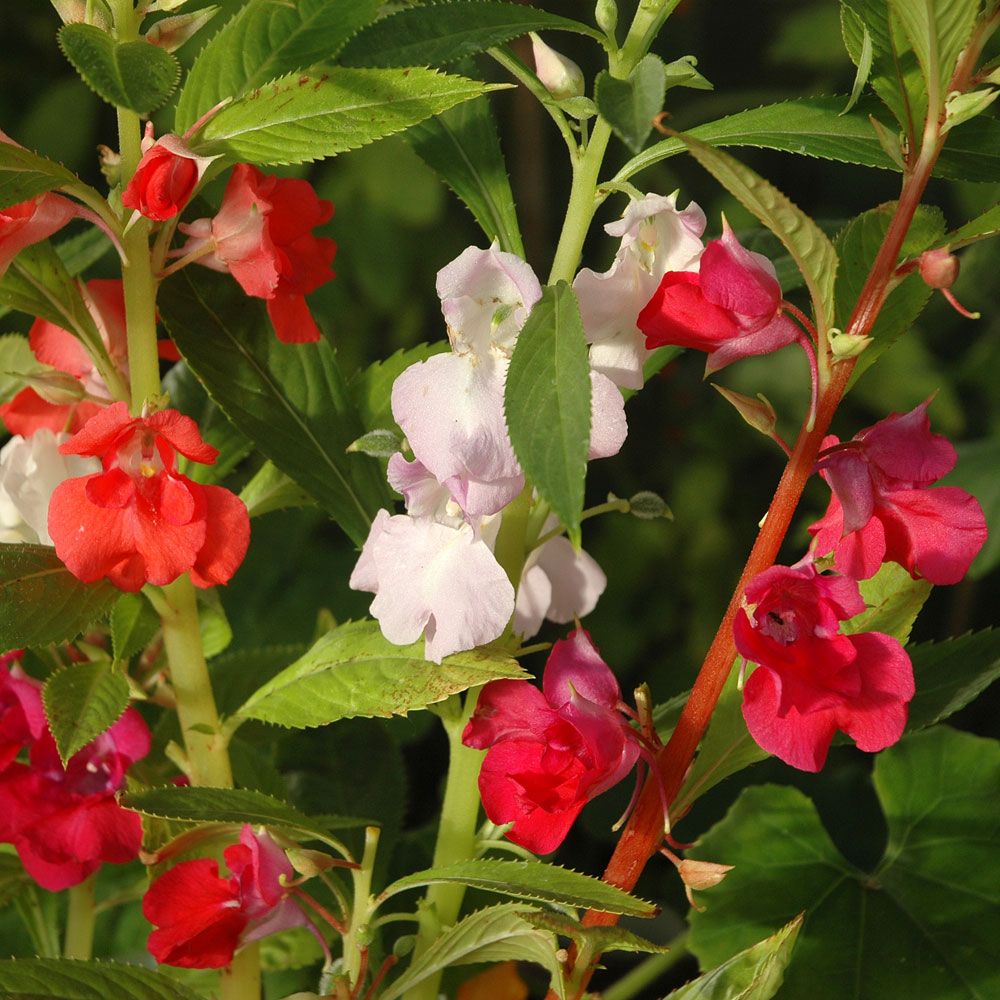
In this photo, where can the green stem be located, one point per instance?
(357, 936)
(80, 921)
(38, 921)
(647, 972)
(619, 506)
(456, 839)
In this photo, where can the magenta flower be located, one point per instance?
(551, 751)
(64, 821)
(731, 308)
(882, 509)
(811, 681)
(22, 719)
(201, 919)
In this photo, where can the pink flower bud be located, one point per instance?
(560, 76)
(939, 267)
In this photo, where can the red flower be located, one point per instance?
(166, 177)
(202, 918)
(32, 221)
(883, 510)
(263, 237)
(551, 751)
(22, 718)
(64, 821)
(139, 521)
(731, 308)
(811, 681)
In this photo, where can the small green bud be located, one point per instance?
(606, 16)
(847, 345)
(758, 413)
(647, 506)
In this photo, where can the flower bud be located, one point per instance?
(560, 76)
(648, 506)
(702, 874)
(606, 16)
(171, 33)
(55, 387)
(758, 413)
(847, 345)
(939, 267)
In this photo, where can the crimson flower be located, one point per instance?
(22, 718)
(811, 680)
(263, 237)
(165, 178)
(32, 221)
(64, 821)
(202, 918)
(730, 308)
(140, 521)
(551, 751)
(882, 509)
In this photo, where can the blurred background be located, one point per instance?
(668, 582)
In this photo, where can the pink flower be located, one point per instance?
(731, 308)
(22, 718)
(202, 918)
(166, 177)
(550, 752)
(262, 235)
(811, 681)
(64, 821)
(140, 521)
(883, 510)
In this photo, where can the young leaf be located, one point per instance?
(864, 70)
(24, 174)
(893, 600)
(133, 625)
(133, 75)
(495, 934)
(756, 973)
(547, 403)
(629, 106)
(289, 399)
(16, 358)
(871, 935)
(216, 634)
(442, 33)
(41, 601)
(808, 245)
(951, 674)
(81, 702)
(462, 146)
(301, 118)
(353, 670)
(530, 880)
(70, 979)
(270, 490)
(263, 41)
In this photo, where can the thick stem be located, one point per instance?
(356, 938)
(80, 921)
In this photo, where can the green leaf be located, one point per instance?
(441, 33)
(756, 973)
(951, 674)
(41, 601)
(976, 472)
(807, 244)
(216, 634)
(289, 399)
(270, 490)
(925, 923)
(69, 979)
(864, 70)
(238, 674)
(300, 118)
(371, 388)
(547, 403)
(83, 250)
(857, 246)
(133, 625)
(530, 880)
(893, 600)
(133, 75)
(629, 106)
(263, 41)
(13, 878)
(24, 174)
(682, 73)
(16, 357)
(495, 934)
(598, 939)
(354, 670)
(979, 228)
(232, 805)
(81, 702)
(462, 147)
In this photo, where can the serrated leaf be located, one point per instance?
(951, 674)
(81, 702)
(598, 939)
(83, 250)
(371, 388)
(897, 931)
(864, 70)
(69, 979)
(807, 244)
(270, 489)
(979, 228)
(133, 625)
(24, 174)
(753, 974)
(629, 106)
(291, 400)
(893, 599)
(494, 934)
(462, 147)
(263, 41)
(530, 880)
(441, 33)
(355, 671)
(41, 601)
(547, 403)
(133, 75)
(300, 118)
(16, 357)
